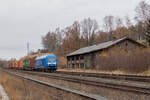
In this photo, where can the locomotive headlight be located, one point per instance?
(54, 63)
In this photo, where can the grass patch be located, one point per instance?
(20, 89)
(0, 97)
(112, 94)
(145, 73)
(93, 71)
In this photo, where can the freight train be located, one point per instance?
(41, 63)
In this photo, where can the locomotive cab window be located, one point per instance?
(51, 59)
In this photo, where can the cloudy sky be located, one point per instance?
(23, 21)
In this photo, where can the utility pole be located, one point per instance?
(28, 48)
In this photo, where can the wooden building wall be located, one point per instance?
(88, 61)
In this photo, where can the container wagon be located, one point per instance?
(26, 64)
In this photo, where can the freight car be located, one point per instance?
(43, 63)
(15, 64)
(20, 63)
(26, 63)
(29, 63)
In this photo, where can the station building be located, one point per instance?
(86, 57)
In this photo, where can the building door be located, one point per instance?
(87, 63)
(93, 60)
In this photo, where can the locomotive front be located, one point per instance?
(52, 61)
(47, 62)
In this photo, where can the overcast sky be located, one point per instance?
(23, 21)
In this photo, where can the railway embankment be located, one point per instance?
(3, 94)
(118, 92)
(19, 88)
(0, 97)
(145, 73)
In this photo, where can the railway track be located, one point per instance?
(110, 76)
(99, 81)
(88, 96)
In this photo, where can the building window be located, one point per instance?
(120, 46)
(69, 65)
(77, 65)
(82, 65)
(72, 65)
(68, 59)
(72, 58)
(82, 57)
(126, 44)
(77, 57)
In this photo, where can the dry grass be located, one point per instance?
(112, 94)
(16, 89)
(19, 89)
(0, 97)
(93, 71)
(145, 73)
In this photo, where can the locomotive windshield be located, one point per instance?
(51, 59)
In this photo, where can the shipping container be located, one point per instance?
(26, 63)
(32, 61)
(20, 63)
(13, 64)
(6, 65)
(16, 64)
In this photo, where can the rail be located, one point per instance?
(103, 83)
(87, 95)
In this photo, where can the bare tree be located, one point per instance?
(102, 37)
(142, 16)
(118, 22)
(142, 11)
(59, 36)
(130, 28)
(128, 21)
(109, 23)
(77, 30)
(89, 28)
(50, 41)
(140, 31)
(71, 40)
(3, 62)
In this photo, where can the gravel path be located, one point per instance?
(3, 94)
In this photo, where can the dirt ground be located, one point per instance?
(146, 73)
(33, 92)
(109, 93)
(19, 89)
(0, 97)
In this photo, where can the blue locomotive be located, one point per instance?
(46, 63)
